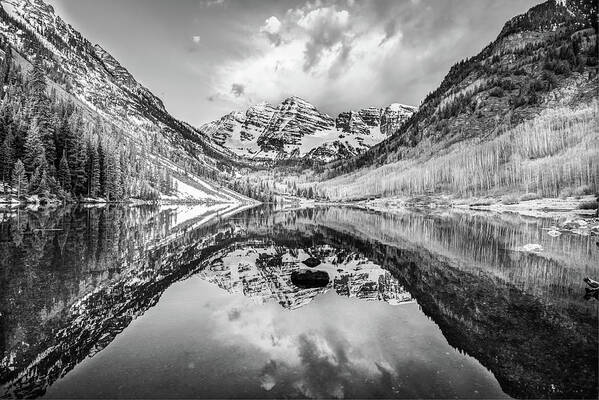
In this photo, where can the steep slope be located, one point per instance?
(296, 129)
(97, 83)
(389, 119)
(541, 60)
(240, 131)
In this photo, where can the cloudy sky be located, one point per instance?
(205, 58)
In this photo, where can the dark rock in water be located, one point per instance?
(275, 261)
(266, 260)
(311, 262)
(309, 279)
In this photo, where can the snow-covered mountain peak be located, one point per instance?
(297, 129)
(399, 107)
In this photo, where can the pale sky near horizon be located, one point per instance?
(205, 58)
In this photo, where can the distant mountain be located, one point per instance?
(296, 129)
(542, 59)
(389, 119)
(97, 83)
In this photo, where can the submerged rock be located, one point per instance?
(311, 262)
(309, 279)
(271, 261)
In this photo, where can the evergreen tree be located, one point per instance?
(102, 168)
(34, 154)
(43, 187)
(5, 69)
(124, 176)
(7, 155)
(62, 131)
(109, 177)
(94, 175)
(39, 110)
(39, 179)
(79, 173)
(113, 184)
(19, 179)
(20, 129)
(37, 79)
(76, 153)
(64, 173)
(47, 135)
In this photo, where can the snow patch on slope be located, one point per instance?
(318, 139)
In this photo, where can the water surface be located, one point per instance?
(199, 302)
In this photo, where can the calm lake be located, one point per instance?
(200, 301)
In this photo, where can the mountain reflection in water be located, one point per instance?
(263, 273)
(74, 279)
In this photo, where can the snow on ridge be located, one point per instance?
(297, 123)
(399, 107)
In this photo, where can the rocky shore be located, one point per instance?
(576, 215)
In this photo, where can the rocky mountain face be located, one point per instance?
(389, 119)
(394, 116)
(296, 129)
(359, 121)
(544, 58)
(97, 83)
(294, 119)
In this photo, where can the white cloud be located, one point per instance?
(300, 349)
(331, 56)
(311, 52)
(324, 16)
(272, 28)
(271, 25)
(210, 3)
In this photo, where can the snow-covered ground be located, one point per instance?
(243, 148)
(310, 142)
(201, 190)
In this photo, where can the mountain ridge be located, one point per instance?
(539, 17)
(295, 128)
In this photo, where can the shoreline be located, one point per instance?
(541, 207)
(12, 203)
(567, 213)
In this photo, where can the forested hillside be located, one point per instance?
(95, 123)
(48, 147)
